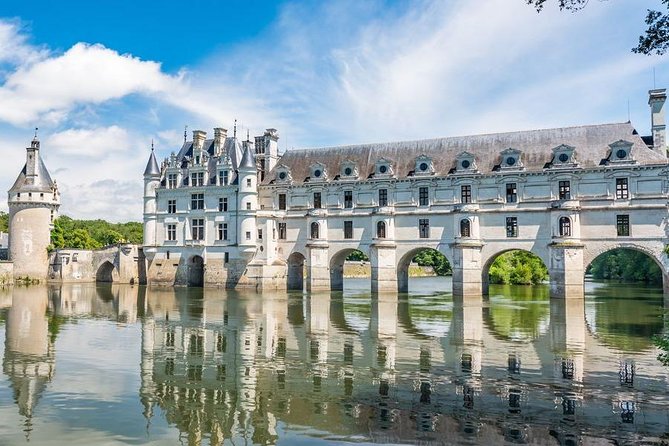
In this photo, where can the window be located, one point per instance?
(282, 202)
(172, 181)
(197, 201)
(259, 234)
(424, 228)
(248, 205)
(348, 199)
(465, 228)
(222, 231)
(222, 204)
(171, 232)
(564, 190)
(197, 179)
(317, 200)
(423, 197)
(225, 178)
(348, 229)
(565, 227)
(282, 231)
(622, 189)
(465, 194)
(512, 226)
(383, 197)
(314, 230)
(623, 225)
(381, 229)
(511, 193)
(197, 228)
(226, 257)
(248, 235)
(171, 206)
(248, 182)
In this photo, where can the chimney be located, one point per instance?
(656, 100)
(219, 138)
(198, 139)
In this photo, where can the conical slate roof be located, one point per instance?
(152, 168)
(41, 182)
(248, 160)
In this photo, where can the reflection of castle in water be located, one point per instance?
(240, 367)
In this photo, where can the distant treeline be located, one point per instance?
(4, 221)
(626, 265)
(93, 234)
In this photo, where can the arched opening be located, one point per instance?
(105, 273)
(514, 267)
(315, 231)
(296, 271)
(196, 271)
(429, 268)
(626, 265)
(351, 266)
(381, 229)
(465, 228)
(565, 227)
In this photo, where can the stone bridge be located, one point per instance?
(121, 263)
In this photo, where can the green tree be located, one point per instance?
(654, 41)
(435, 259)
(4, 221)
(625, 265)
(517, 268)
(93, 234)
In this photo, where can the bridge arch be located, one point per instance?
(337, 260)
(106, 273)
(295, 272)
(654, 251)
(404, 261)
(196, 271)
(488, 261)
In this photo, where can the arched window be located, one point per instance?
(314, 230)
(465, 228)
(565, 227)
(381, 229)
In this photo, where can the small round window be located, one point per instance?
(510, 161)
(465, 164)
(383, 169)
(282, 175)
(348, 171)
(317, 173)
(621, 153)
(563, 157)
(423, 167)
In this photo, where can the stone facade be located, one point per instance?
(121, 263)
(566, 194)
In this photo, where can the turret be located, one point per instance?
(248, 198)
(267, 151)
(151, 183)
(656, 100)
(33, 202)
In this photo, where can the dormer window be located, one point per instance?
(465, 163)
(621, 152)
(511, 159)
(384, 168)
(423, 166)
(283, 174)
(349, 170)
(318, 172)
(563, 156)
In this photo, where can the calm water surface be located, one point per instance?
(129, 365)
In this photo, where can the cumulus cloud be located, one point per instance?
(92, 143)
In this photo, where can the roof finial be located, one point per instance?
(248, 138)
(36, 129)
(234, 133)
(185, 133)
(152, 144)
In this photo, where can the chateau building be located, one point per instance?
(236, 214)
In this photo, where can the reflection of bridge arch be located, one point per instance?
(106, 273)
(405, 259)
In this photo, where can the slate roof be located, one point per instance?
(591, 144)
(248, 159)
(232, 146)
(152, 166)
(41, 182)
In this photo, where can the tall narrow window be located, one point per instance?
(348, 229)
(424, 228)
(172, 232)
(226, 257)
(259, 234)
(249, 182)
(197, 201)
(171, 206)
(512, 226)
(314, 230)
(348, 199)
(282, 231)
(172, 181)
(622, 189)
(225, 180)
(383, 197)
(423, 196)
(197, 179)
(511, 193)
(565, 227)
(623, 225)
(248, 205)
(222, 231)
(465, 228)
(317, 200)
(282, 202)
(465, 194)
(564, 190)
(381, 230)
(197, 228)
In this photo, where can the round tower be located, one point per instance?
(33, 205)
(248, 201)
(151, 183)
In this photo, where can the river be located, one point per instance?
(87, 364)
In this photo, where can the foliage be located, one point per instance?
(662, 342)
(626, 265)
(357, 256)
(518, 268)
(4, 221)
(435, 259)
(93, 234)
(654, 41)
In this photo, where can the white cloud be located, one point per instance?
(92, 143)
(14, 46)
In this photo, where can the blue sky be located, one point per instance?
(101, 82)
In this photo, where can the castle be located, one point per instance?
(234, 213)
